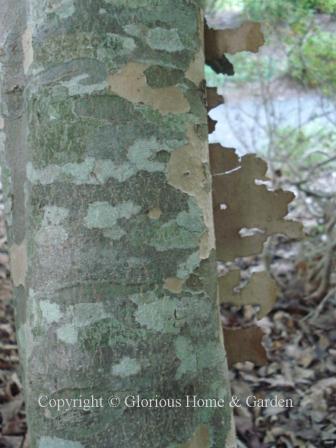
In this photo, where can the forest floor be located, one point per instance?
(300, 341)
(12, 415)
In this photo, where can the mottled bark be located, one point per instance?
(111, 237)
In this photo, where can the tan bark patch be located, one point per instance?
(154, 213)
(245, 344)
(130, 83)
(248, 37)
(200, 438)
(2, 123)
(27, 47)
(195, 72)
(18, 259)
(186, 171)
(173, 284)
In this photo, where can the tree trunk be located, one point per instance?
(110, 223)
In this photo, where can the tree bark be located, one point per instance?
(110, 222)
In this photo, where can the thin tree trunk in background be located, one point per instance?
(110, 221)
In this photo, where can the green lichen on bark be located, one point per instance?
(118, 209)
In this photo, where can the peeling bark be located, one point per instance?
(246, 213)
(111, 192)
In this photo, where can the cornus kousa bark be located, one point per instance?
(108, 206)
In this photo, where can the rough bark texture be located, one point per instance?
(112, 245)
